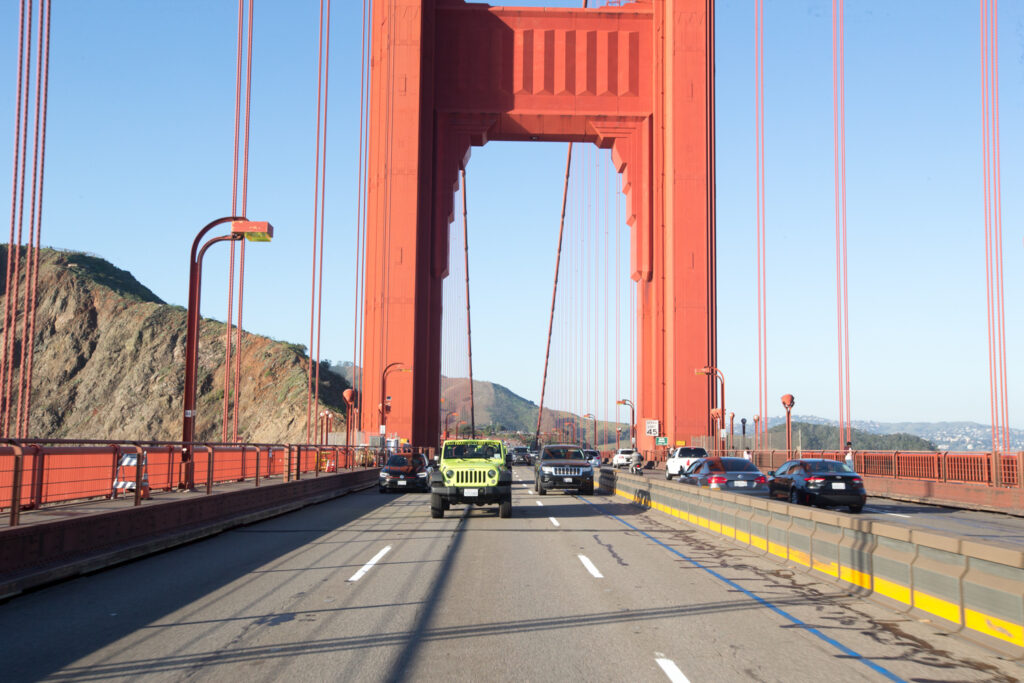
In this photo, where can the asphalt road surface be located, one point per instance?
(369, 588)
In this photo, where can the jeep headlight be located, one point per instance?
(447, 474)
(547, 469)
(491, 474)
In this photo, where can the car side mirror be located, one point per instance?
(771, 473)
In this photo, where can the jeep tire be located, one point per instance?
(541, 491)
(436, 506)
(505, 508)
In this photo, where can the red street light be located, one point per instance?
(241, 228)
(787, 402)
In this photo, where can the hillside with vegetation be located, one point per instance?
(821, 437)
(109, 363)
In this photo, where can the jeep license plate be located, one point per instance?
(567, 479)
(471, 493)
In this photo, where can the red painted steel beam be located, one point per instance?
(635, 79)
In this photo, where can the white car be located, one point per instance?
(623, 457)
(682, 458)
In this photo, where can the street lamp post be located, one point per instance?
(711, 370)
(448, 417)
(384, 405)
(716, 417)
(591, 416)
(732, 417)
(618, 435)
(349, 396)
(787, 402)
(757, 434)
(241, 228)
(632, 419)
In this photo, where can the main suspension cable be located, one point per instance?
(469, 329)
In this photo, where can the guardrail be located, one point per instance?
(1004, 470)
(39, 473)
(966, 586)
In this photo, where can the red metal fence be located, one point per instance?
(36, 474)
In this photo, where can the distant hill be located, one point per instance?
(109, 363)
(818, 437)
(947, 436)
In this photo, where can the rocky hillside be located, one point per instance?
(110, 359)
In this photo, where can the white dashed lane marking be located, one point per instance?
(366, 567)
(672, 671)
(590, 567)
(554, 521)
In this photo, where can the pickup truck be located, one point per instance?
(682, 458)
(623, 458)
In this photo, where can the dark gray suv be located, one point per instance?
(563, 466)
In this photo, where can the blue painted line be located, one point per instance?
(781, 612)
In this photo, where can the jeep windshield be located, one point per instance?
(470, 451)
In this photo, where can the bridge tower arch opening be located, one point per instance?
(637, 79)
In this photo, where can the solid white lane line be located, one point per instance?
(590, 567)
(883, 512)
(554, 521)
(366, 567)
(672, 671)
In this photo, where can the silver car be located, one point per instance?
(728, 474)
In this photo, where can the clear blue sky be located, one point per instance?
(139, 158)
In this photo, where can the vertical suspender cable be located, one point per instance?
(35, 220)
(234, 212)
(316, 209)
(839, 163)
(360, 246)
(323, 210)
(993, 226)
(12, 249)
(554, 291)
(17, 204)
(762, 313)
(241, 261)
(469, 329)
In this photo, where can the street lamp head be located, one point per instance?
(254, 231)
(349, 396)
(788, 401)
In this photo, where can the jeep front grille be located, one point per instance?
(567, 471)
(470, 477)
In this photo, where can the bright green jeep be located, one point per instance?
(472, 471)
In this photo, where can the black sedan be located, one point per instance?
(727, 474)
(811, 481)
(405, 471)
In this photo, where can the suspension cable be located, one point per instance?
(469, 330)
(360, 246)
(35, 220)
(320, 123)
(554, 291)
(17, 204)
(241, 262)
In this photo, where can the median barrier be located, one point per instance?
(960, 585)
(891, 559)
(936, 576)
